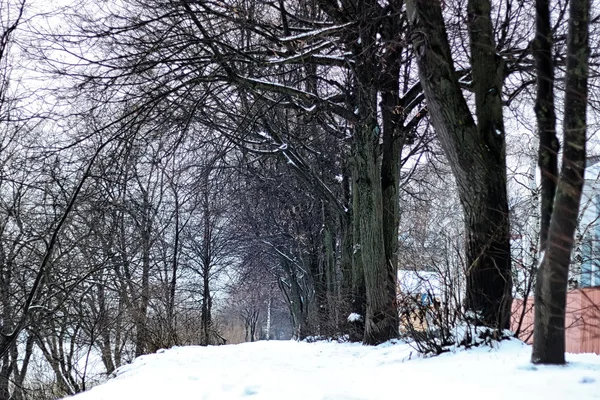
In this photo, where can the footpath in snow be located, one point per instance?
(332, 371)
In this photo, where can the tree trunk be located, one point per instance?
(545, 115)
(392, 145)
(329, 265)
(104, 327)
(173, 283)
(142, 337)
(553, 274)
(476, 152)
(207, 260)
(206, 306)
(489, 283)
(381, 319)
(268, 328)
(359, 292)
(5, 377)
(253, 327)
(6, 269)
(296, 302)
(19, 380)
(346, 252)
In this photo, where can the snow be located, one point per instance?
(330, 57)
(289, 160)
(353, 317)
(416, 282)
(465, 81)
(265, 135)
(310, 109)
(315, 33)
(300, 56)
(272, 370)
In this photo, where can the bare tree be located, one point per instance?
(476, 151)
(551, 287)
(545, 114)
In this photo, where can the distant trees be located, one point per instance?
(210, 243)
(286, 58)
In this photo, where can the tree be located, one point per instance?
(545, 115)
(476, 151)
(363, 43)
(211, 241)
(553, 274)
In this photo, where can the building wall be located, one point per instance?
(582, 320)
(586, 257)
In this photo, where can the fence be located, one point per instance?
(582, 322)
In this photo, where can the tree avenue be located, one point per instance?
(179, 172)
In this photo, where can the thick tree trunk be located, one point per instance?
(358, 289)
(5, 371)
(551, 287)
(390, 169)
(19, 375)
(489, 280)
(476, 153)
(545, 115)
(381, 320)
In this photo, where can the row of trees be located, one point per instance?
(204, 154)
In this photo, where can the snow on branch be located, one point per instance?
(315, 33)
(318, 102)
(300, 57)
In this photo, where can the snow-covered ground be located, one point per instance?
(331, 371)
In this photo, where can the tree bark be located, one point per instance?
(142, 336)
(295, 300)
(476, 152)
(171, 326)
(381, 320)
(268, 328)
(358, 292)
(553, 274)
(545, 115)
(206, 265)
(393, 142)
(104, 327)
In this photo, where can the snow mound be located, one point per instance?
(354, 317)
(347, 371)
